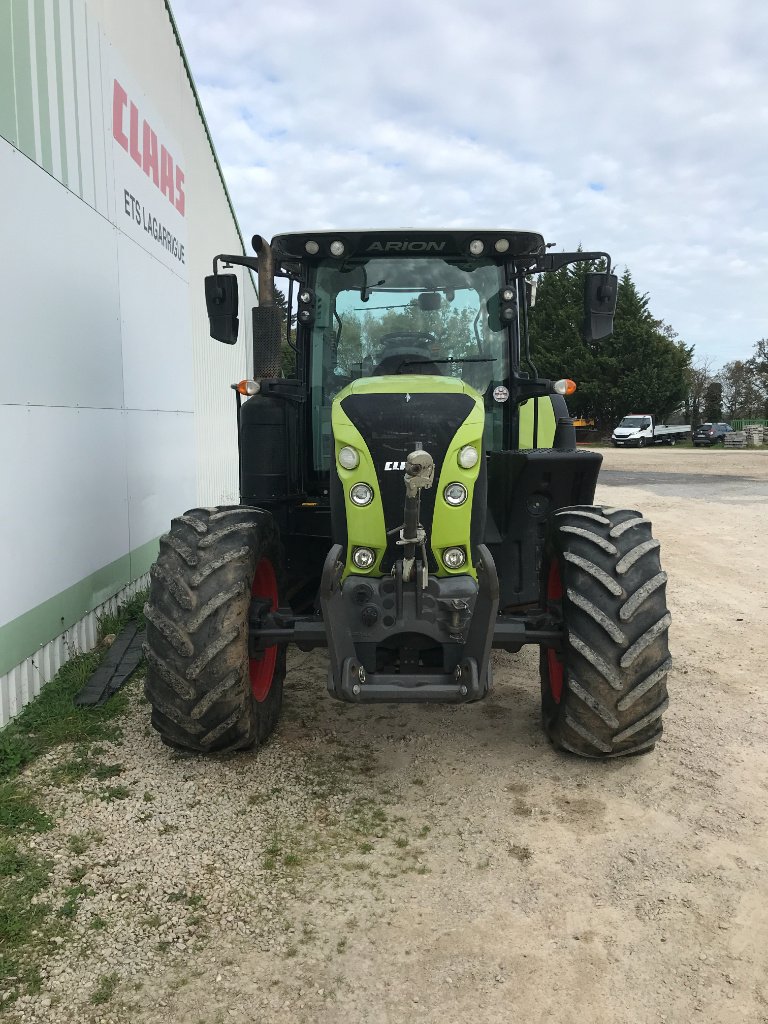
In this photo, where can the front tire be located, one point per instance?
(605, 691)
(206, 693)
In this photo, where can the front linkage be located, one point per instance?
(360, 615)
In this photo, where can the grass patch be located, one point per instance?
(69, 907)
(18, 811)
(105, 989)
(52, 719)
(112, 793)
(79, 844)
(23, 877)
(29, 918)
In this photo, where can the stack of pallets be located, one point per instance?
(736, 439)
(755, 434)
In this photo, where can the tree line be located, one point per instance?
(739, 390)
(644, 366)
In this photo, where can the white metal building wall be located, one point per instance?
(115, 406)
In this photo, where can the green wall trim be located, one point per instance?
(25, 635)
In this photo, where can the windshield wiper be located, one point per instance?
(365, 291)
(458, 359)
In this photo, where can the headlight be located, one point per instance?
(468, 456)
(363, 558)
(348, 457)
(455, 494)
(312, 247)
(337, 248)
(454, 558)
(476, 247)
(361, 494)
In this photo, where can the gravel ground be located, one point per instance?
(443, 863)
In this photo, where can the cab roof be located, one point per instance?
(498, 244)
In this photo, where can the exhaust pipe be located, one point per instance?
(266, 272)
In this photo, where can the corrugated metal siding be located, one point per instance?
(57, 113)
(23, 683)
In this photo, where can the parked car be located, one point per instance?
(711, 433)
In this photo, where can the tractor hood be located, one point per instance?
(386, 418)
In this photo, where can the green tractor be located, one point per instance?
(411, 497)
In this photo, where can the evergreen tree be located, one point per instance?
(640, 368)
(760, 363)
(713, 402)
(287, 354)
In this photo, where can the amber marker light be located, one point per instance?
(566, 386)
(248, 387)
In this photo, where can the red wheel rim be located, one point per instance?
(262, 670)
(555, 669)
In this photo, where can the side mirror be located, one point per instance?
(599, 305)
(221, 301)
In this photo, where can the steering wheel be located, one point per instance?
(387, 339)
(409, 351)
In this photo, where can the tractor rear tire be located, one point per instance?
(605, 691)
(206, 693)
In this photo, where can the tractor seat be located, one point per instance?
(406, 362)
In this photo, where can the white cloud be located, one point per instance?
(442, 113)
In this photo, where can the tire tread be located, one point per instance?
(615, 652)
(197, 679)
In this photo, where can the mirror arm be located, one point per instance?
(239, 261)
(523, 388)
(558, 260)
(263, 264)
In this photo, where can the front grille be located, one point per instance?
(393, 425)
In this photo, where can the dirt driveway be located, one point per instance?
(444, 864)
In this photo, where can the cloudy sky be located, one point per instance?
(637, 127)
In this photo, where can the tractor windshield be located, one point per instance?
(404, 315)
